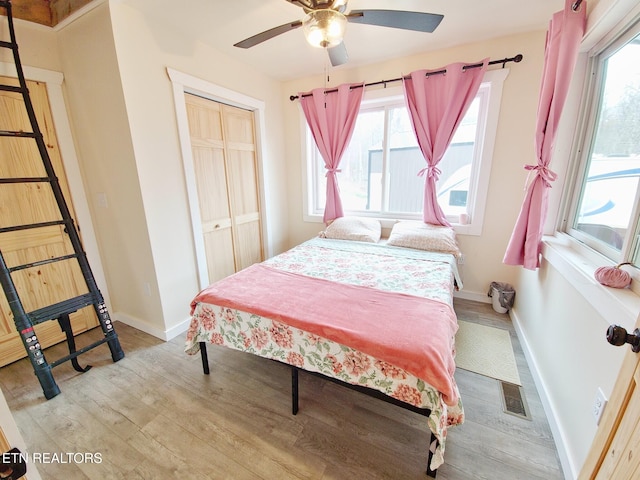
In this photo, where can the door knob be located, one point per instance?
(617, 335)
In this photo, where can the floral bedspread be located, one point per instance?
(413, 272)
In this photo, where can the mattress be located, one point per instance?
(367, 314)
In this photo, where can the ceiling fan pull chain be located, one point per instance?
(326, 72)
(326, 79)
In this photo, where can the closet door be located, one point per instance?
(207, 148)
(224, 160)
(242, 178)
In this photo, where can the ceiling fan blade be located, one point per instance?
(418, 21)
(268, 34)
(338, 54)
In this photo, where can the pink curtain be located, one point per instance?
(437, 103)
(561, 52)
(331, 116)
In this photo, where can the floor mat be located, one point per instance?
(487, 351)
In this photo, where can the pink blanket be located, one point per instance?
(413, 333)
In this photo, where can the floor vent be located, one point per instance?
(513, 400)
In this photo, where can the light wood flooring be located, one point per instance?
(154, 415)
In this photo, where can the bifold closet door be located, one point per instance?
(242, 177)
(224, 159)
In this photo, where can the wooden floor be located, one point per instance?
(154, 415)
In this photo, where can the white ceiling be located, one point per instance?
(221, 23)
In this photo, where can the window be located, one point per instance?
(379, 171)
(605, 209)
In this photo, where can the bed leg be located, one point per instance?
(205, 358)
(294, 390)
(433, 443)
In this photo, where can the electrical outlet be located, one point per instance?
(461, 259)
(598, 405)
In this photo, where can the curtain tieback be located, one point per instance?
(432, 172)
(545, 173)
(332, 171)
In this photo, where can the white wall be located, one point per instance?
(125, 130)
(37, 45)
(145, 49)
(121, 106)
(563, 334)
(513, 147)
(124, 121)
(567, 350)
(106, 156)
(561, 312)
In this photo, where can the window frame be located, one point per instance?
(493, 82)
(588, 115)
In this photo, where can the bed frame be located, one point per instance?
(433, 442)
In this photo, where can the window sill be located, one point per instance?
(616, 305)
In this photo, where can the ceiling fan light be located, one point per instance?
(324, 28)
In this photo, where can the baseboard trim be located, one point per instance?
(475, 296)
(568, 466)
(145, 327)
(178, 329)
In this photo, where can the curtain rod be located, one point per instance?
(516, 59)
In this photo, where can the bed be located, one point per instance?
(375, 316)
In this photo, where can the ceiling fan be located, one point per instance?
(326, 20)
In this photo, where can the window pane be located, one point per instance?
(374, 181)
(379, 170)
(609, 192)
(405, 188)
(453, 186)
(359, 182)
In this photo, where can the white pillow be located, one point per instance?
(424, 236)
(354, 228)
